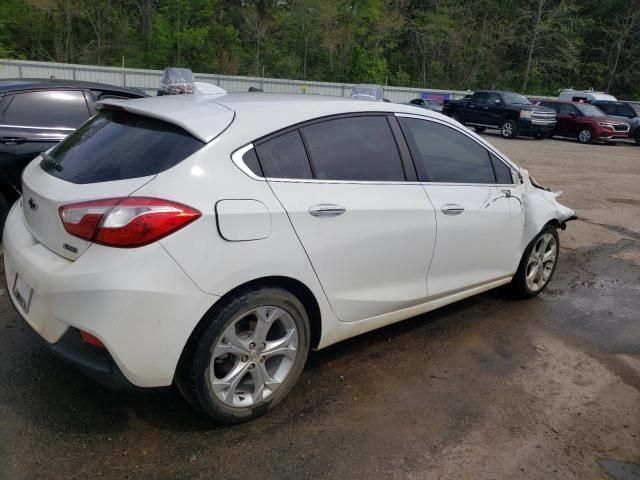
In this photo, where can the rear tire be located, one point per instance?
(245, 355)
(509, 129)
(480, 129)
(540, 135)
(537, 265)
(638, 136)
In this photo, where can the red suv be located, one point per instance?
(586, 122)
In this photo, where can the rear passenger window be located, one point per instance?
(445, 155)
(49, 108)
(284, 157)
(502, 171)
(354, 148)
(250, 159)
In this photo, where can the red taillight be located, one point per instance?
(92, 340)
(126, 222)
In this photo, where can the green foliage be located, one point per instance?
(539, 46)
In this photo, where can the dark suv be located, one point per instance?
(35, 115)
(629, 111)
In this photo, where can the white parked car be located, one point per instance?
(212, 241)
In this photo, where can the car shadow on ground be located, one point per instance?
(43, 390)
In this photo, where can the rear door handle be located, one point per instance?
(326, 210)
(452, 209)
(12, 140)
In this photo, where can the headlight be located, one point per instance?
(525, 114)
(606, 124)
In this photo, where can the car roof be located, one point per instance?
(9, 85)
(256, 114)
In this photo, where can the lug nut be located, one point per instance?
(263, 346)
(251, 366)
(252, 345)
(244, 358)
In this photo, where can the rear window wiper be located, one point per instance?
(49, 163)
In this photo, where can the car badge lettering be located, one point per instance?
(32, 204)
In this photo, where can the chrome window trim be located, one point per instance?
(236, 157)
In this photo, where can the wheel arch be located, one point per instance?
(292, 285)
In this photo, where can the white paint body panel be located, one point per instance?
(366, 268)
(478, 245)
(243, 220)
(374, 258)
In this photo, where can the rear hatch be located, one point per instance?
(112, 155)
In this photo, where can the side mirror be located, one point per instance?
(573, 115)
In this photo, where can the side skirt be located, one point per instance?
(343, 330)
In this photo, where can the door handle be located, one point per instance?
(326, 210)
(12, 140)
(452, 209)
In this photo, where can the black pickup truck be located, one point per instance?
(511, 113)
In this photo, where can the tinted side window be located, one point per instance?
(284, 157)
(417, 101)
(480, 97)
(443, 154)
(62, 108)
(502, 171)
(566, 109)
(624, 111)
(492, 97)
(117, 145)
(354, 148)
(250, 159)
(605, 107)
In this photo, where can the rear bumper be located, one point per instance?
(138, 302)
(94, 363)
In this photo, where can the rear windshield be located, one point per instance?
(116, 145)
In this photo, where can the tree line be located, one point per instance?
(531, 46)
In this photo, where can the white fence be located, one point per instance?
(149, 80)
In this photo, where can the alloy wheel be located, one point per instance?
(541, 262)
(507, 129)
(585, 135)
(253, 356)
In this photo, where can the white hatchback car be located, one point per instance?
(212, 241)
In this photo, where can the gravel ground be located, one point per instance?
(488, 388)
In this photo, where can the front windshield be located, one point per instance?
(589, 110)
(515, 99)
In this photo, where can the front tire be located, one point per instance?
(638, 136)
(456, 117)
(246, 355)
(585, 135)
(480, 129)
(537, 265)
(540, 135)
(509, 129)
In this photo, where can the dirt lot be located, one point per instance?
(489, 388)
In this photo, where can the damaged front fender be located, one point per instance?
(540, 208)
